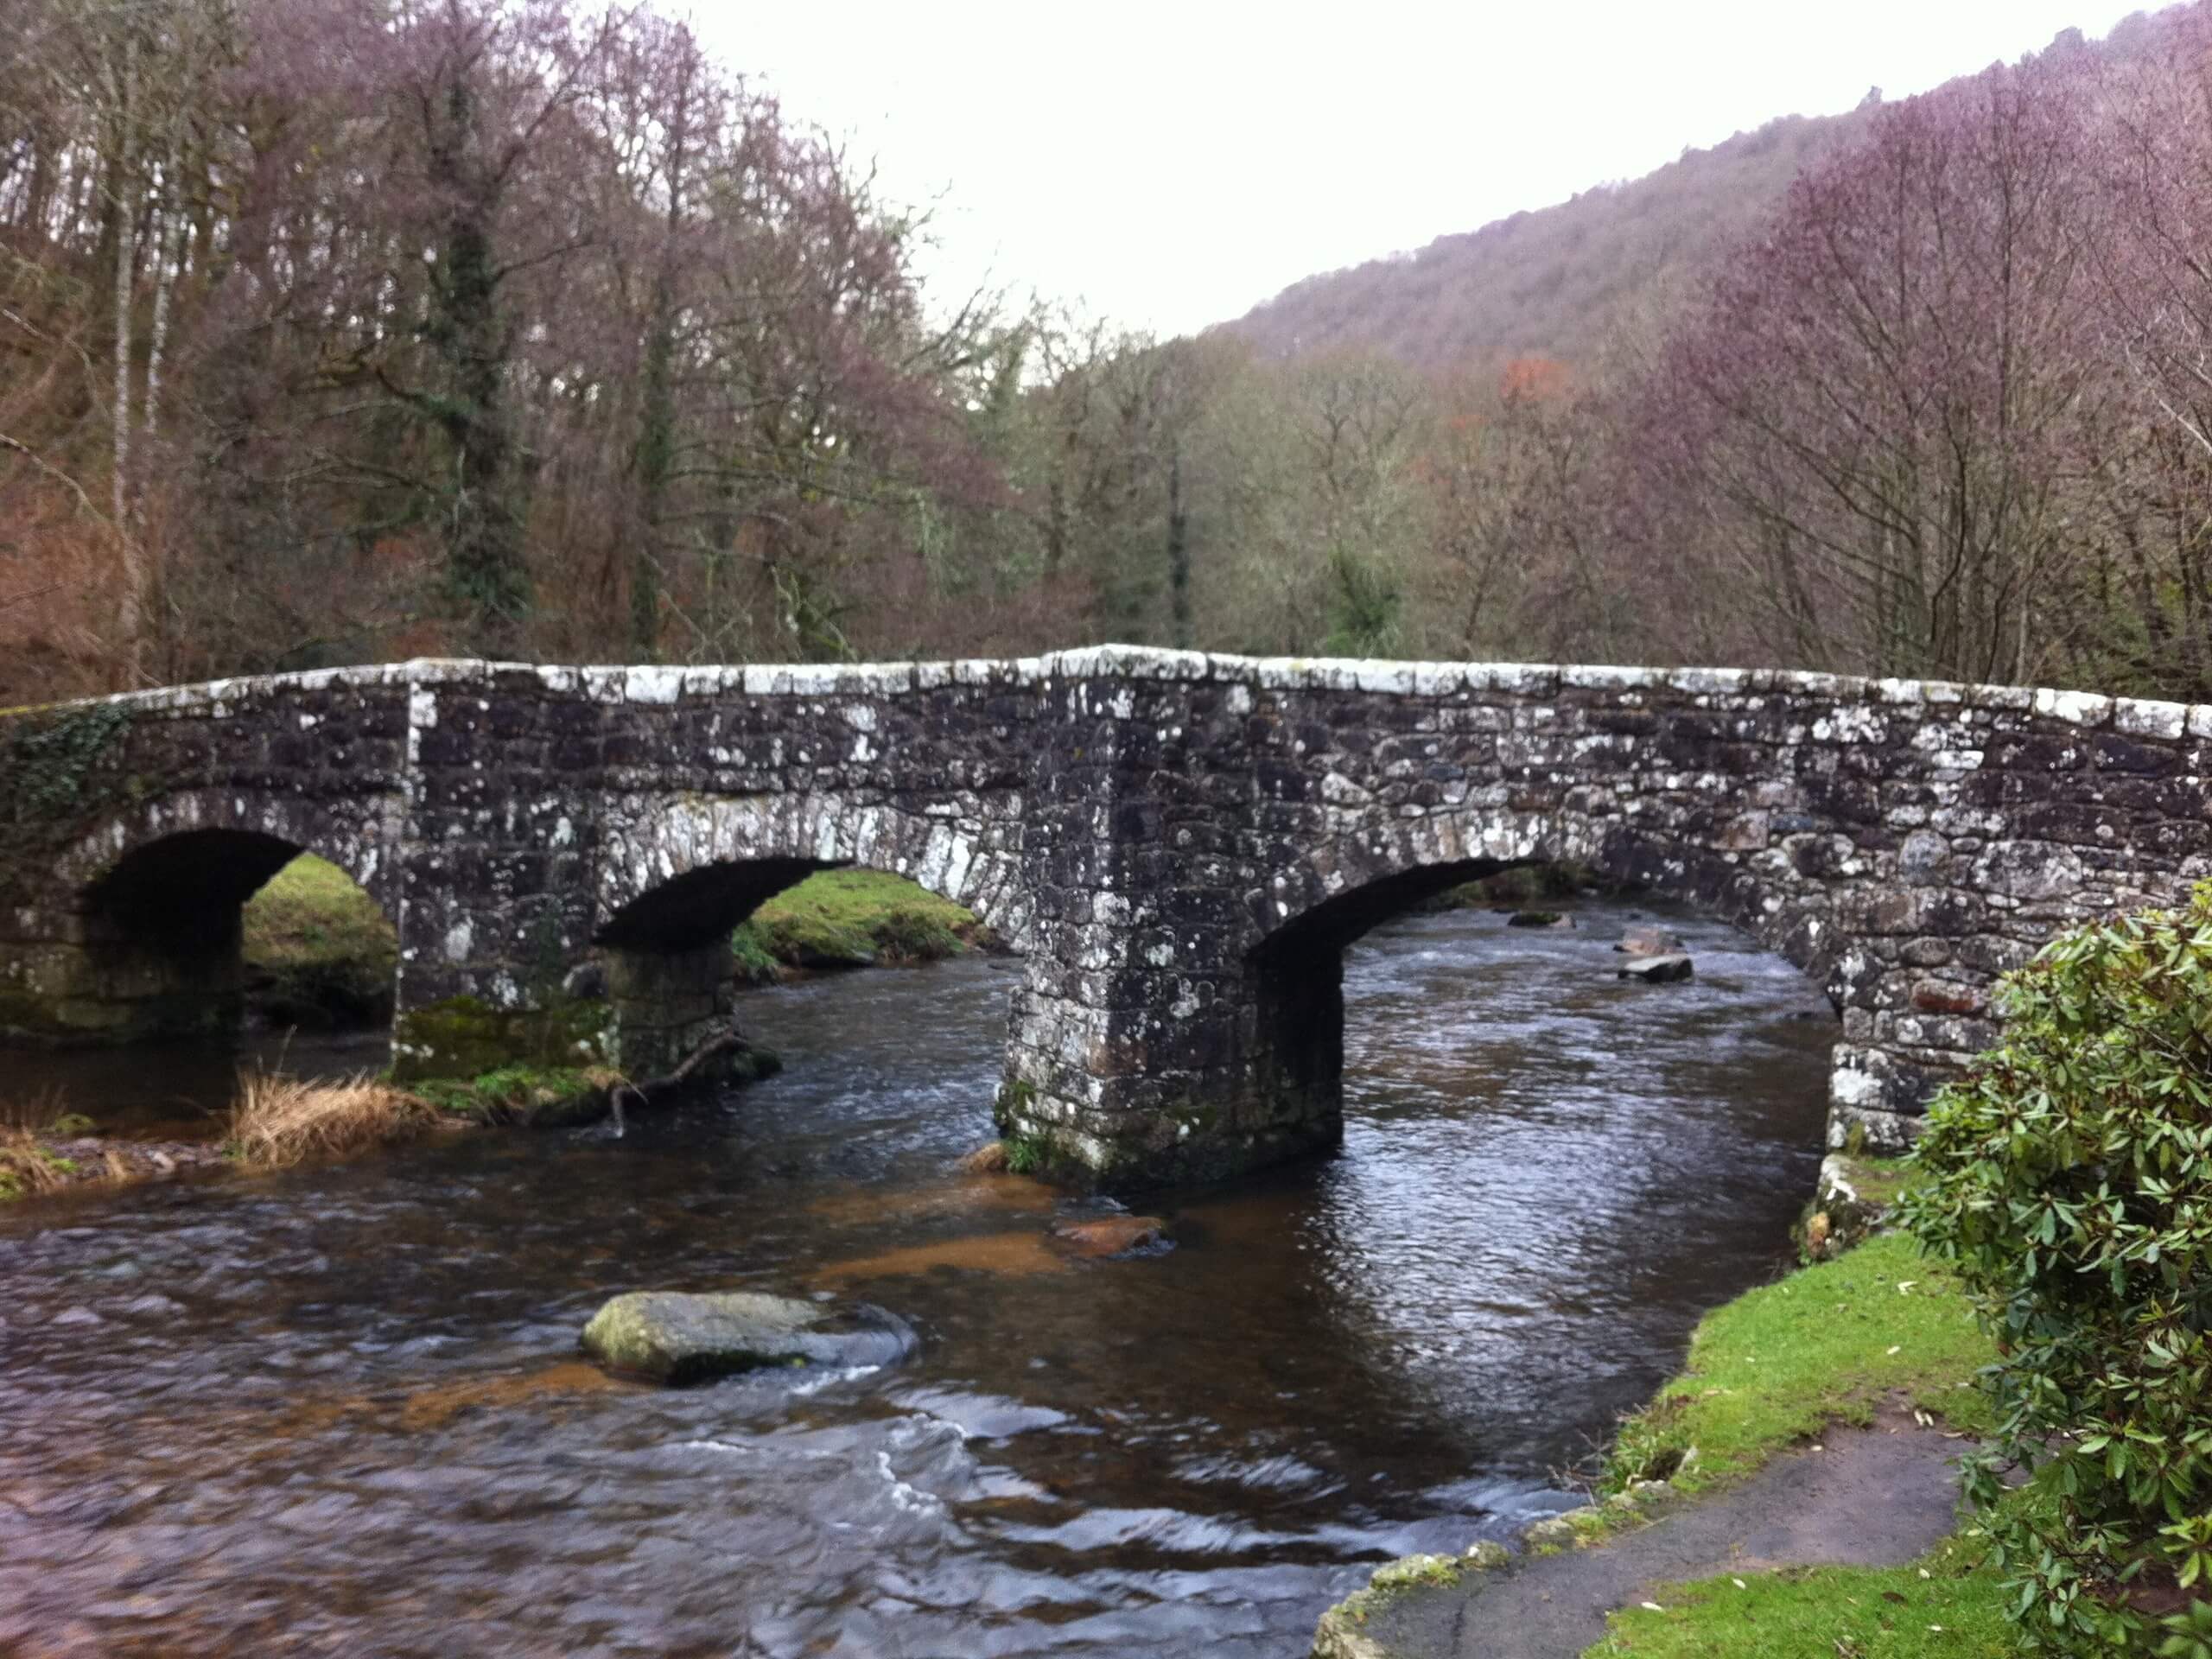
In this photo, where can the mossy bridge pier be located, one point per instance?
(1180, 845)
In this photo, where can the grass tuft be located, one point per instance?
(27, 1165)
(278, 1121)
(1825, 1345)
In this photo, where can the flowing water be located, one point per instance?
(339, 1410)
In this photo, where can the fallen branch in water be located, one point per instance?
(727, 1042)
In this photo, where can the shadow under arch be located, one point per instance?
(1293, 966)
(158, 900)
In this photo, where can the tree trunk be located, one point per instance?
(1179, 551)
(131, 610)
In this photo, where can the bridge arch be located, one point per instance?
(145, 918)
(1328, 896)
(225, 835)
(719, 857)
(675, 875)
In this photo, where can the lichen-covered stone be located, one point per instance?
(467, 1037)
(1851, 1200)
(1180, 844)
(676, 1337)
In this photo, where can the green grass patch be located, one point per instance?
(756, 964)
(1947, 1606)
(850, 918)
(1825, 1345)
(545, 1097)
(1879, 1182)
(318, 950)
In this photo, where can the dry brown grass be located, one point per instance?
(278, 1121)
(26, 1163)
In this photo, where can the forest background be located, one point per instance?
(339, 331)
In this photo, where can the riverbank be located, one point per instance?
(1792, 1487)
(44, 1148)
(318, 952)
(853, 919)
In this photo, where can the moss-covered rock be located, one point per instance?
(1853, 1199)
(1341, 1633)
(467, 1037)
(563, 1097)
(535, 1097)
(673, 1337)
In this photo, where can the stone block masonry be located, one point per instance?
(1180, 844)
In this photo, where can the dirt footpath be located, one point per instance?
(1876, 1497)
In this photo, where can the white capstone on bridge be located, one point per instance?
(1181, 844)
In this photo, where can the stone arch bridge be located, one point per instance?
(1180, 844)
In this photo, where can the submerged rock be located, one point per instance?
(678, 1337)
(1110, 1235)
(1649, 942)
(1657, 970)
(1539, 918)
(989, 1159)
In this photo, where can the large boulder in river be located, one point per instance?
(1657, 970)
(673, 1337)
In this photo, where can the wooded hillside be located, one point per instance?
(1553, 282)
(346, 330)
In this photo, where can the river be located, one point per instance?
(340, 1410)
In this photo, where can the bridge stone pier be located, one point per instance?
(1180, 845)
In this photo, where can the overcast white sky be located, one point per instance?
(1171, 165)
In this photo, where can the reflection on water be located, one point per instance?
(337, 1410)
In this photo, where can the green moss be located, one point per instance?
(467, 1037)
(557, 1098)
(52, 760)
(1417, 1572)
(1856, 1196)
(56, 765)
(756, 964)
(1338, 1632)
(318, 950)
(1775, 1365)
(1879, 1182)
(1010, 1104)
(539, 1096)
